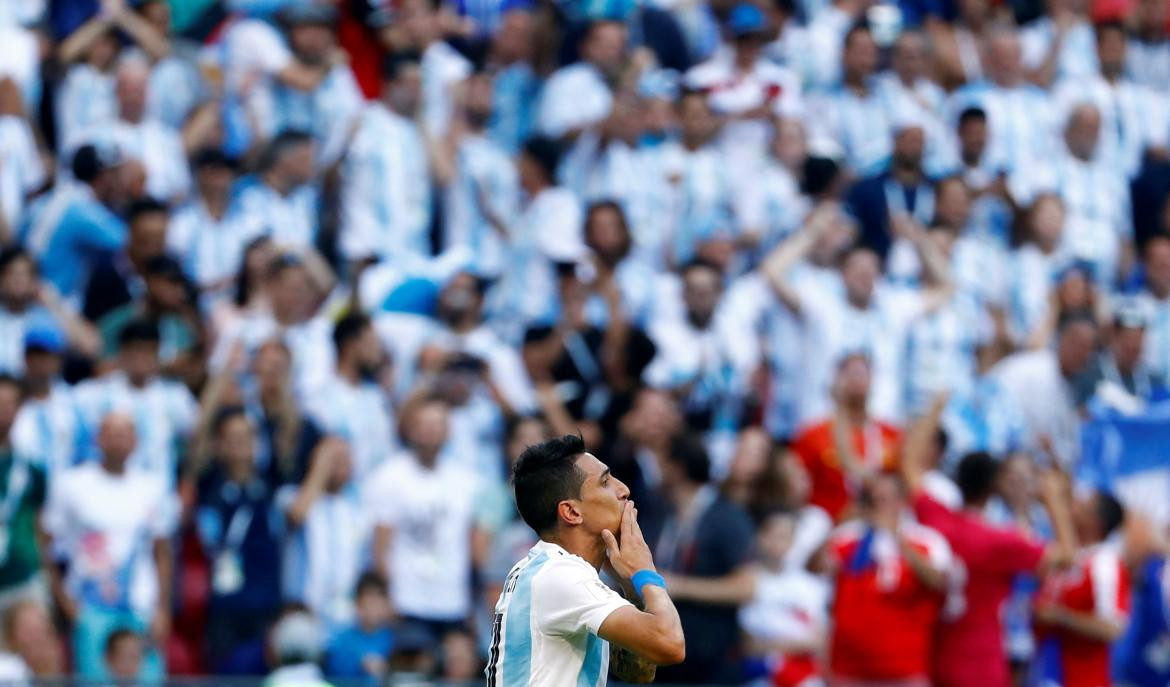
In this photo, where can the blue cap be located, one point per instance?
(44, 337)
(746, 19)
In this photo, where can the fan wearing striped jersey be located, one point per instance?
(556, 620)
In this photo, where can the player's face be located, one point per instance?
(603, 496)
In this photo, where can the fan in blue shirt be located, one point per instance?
(361, 649)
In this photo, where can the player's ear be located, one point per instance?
(569, 513)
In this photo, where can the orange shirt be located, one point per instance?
(876, 445)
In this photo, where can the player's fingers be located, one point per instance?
(611, 545)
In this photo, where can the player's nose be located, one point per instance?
(622, 490)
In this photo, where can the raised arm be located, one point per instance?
(314, 484)
(1060, 552)
(916, 445)
(938, 285)
(779, 263)
(653, 634)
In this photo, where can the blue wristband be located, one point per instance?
(644, 577)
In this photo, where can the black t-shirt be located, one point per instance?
(721, 542)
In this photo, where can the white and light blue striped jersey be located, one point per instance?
(49, 430)
(21, 172)
(163, 410)
(290, 220)
(546, 623)
(385, 188)
(310, 342)
(483, 170)
(210, 249)
(700, 194)
(515, 95)
(1021, 122)
(442, 68)
(1148, 63)
(1077, 58)
(13, 326)
(360, 414)
(326, 112)
(325, 555)
(1157, 346)
(861, 124)
(85, 98)
(1133, 118)
(1031, 278)
(940, 351)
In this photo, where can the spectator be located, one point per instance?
(1084, 610)
(154, 144)
(1059, 44)
(608, 236)
(461, 663)
(47, 425)
(423, 508)
(281, 199)
(969, 648)
(381, 209)
(1025, 378)
(23, 497)
(889, 574)
(786, 621)
(118, 278)
(840, 453)
(361, 649)
(984, 176)
(28, 304)
(113, 523)
(68, 230)
(328, 535)
(352, 404)
(580, 95)
(162, 410)
(124, 654)
(1150, 43)
(23, 176)
(746, 88)
(240, 536)
(209, 234)
(1123, 380)
(286, 434)
(909, 84)
(705, 552)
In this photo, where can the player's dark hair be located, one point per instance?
(545, 475)
(1110, 512)
(348, 329)
(688, 452)
(976, 477)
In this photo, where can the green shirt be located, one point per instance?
(21, 500)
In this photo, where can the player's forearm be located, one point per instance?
(667, 628)
(1088, 625)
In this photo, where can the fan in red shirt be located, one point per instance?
(970, 647)
(890, 586)
(1080, 612)
(839, 451)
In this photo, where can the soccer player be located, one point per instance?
(555, 618)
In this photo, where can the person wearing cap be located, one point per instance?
(746, 88)
(47, 424)
(208, 233)
(386, 176)
(580, 96)
(327, 111)
(69, 229)
(1123, 378)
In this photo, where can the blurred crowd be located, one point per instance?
(833, 285)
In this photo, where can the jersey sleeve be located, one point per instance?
(568, 598)
(1111, 597)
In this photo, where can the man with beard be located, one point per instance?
(351, 403)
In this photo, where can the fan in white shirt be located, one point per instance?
(114, 523)
(424, 515)
(579, 96)
(281, 199)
